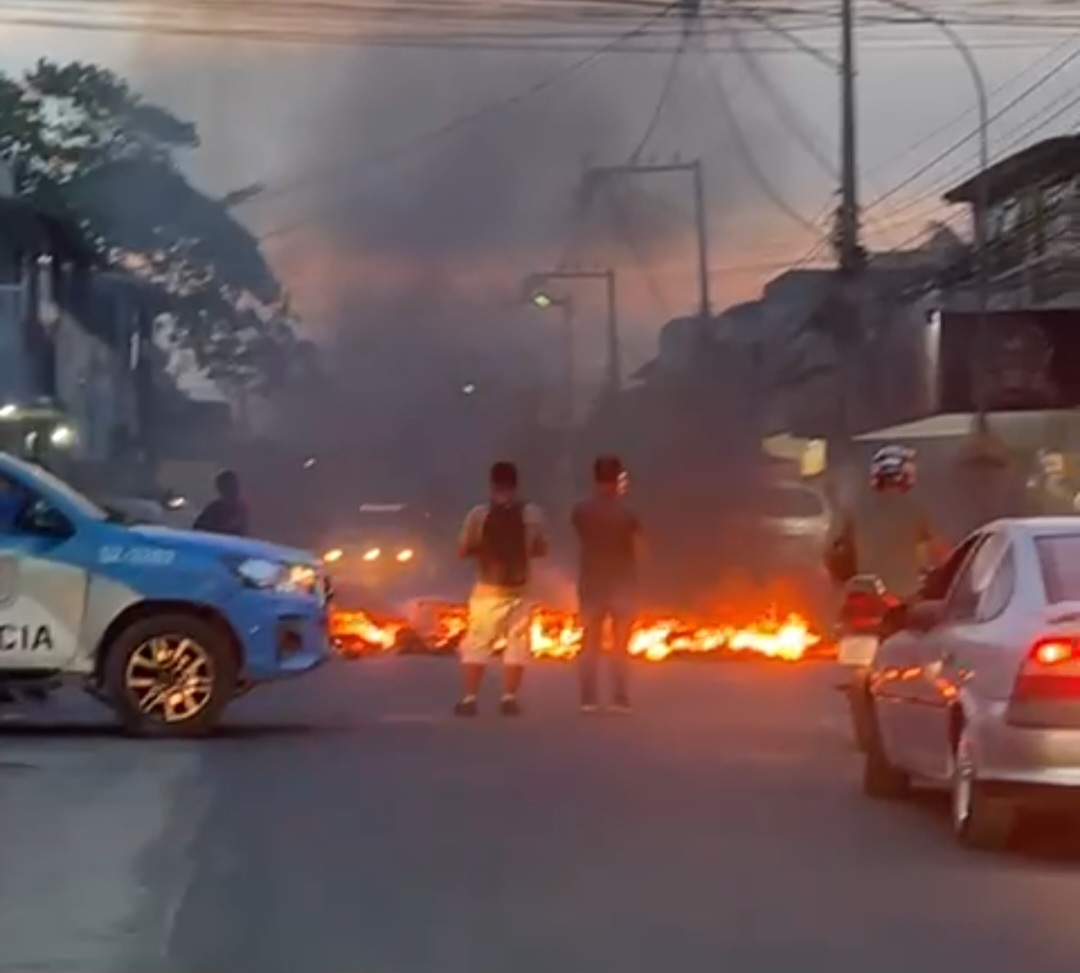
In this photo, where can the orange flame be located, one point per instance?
(558, 635)
(360, 626)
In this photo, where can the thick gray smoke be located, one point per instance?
(463, 217)
(410, 268)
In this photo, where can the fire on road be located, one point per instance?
(557, 635)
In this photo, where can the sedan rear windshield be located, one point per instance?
(1059, 558)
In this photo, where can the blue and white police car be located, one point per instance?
(166, 626)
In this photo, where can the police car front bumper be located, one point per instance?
(282, 635)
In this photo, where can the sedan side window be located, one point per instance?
(942, 578)
(966, 597)
(999, 591)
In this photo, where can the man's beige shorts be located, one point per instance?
(497, 623)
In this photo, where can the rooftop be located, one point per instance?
(1056, 157)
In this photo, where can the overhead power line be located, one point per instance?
(742, 146)
(478, 114)
(431, 34)
(970, 111)
(626, 235)
(665, 93)
(1037, 125)
(787, 113)
(915, 174)
(1021, 135)
(463, 22)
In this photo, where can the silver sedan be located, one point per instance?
(979, 690)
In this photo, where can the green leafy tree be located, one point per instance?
(83, 144)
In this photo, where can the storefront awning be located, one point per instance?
(1023, 425)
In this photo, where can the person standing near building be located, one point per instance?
(502, 537)
(610, 536)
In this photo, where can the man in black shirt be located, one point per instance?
(611, 546)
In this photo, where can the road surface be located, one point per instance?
(347, 824)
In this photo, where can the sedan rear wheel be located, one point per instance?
(979, 820)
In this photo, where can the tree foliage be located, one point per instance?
(83, 144)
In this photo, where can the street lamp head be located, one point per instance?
(531, 285)
(542, 300)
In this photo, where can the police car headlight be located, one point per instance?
(274, 576)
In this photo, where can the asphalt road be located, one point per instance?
(347, 824)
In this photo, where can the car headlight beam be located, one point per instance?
(270, 575)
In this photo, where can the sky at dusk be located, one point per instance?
(492, 201)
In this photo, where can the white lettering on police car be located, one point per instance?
(26, 638)
(156, 557)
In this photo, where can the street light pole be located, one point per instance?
(569, 371)
(700, 213)
(614, 344)
(614, 350)
(569, 398)
(570, 365)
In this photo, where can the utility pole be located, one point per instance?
(849, 283)
(702, 222)
(700, 213)
(849, 244)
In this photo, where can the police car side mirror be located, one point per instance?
(43, 520)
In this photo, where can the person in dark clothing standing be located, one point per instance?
(228, 512)
(611, 547)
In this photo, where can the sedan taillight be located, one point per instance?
(1050, 671)
(864, 610)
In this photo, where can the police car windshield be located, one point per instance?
(32, 475)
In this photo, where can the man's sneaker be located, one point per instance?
(588, 707)
(466, 707)
(510, 706)
(621, 706)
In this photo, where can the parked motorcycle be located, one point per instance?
(862, 623)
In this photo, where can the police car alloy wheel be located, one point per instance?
(170, 675)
